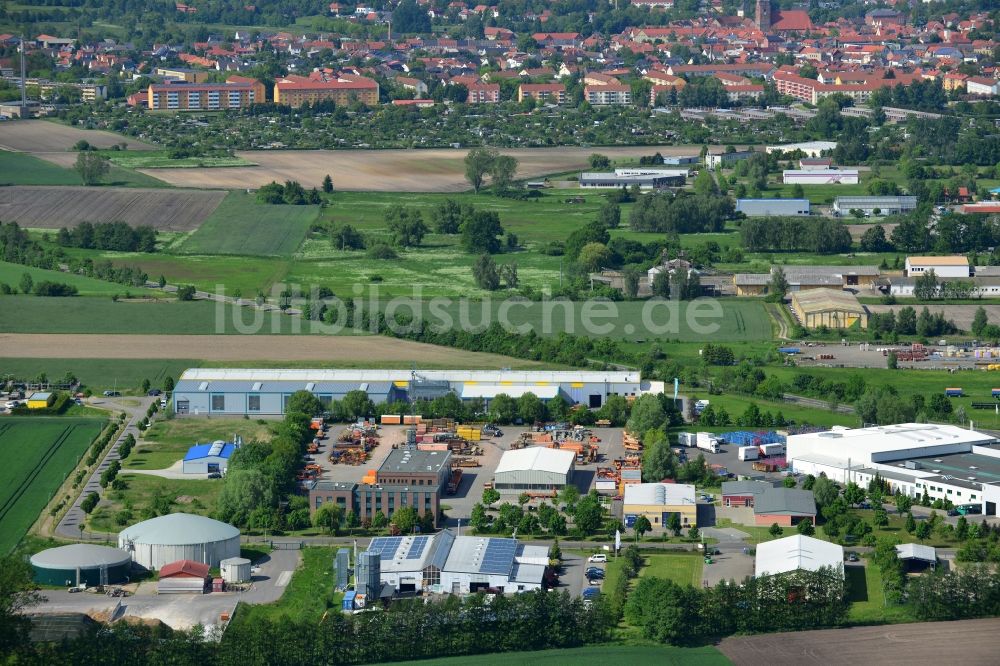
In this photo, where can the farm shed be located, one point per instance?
(797, 553)
(183, 577)
(180, 536)
(534, 469)
(208, 458)
(81, 563)
(828, 307)
(917, 557)
(40, 400)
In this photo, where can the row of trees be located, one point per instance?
(291, 193)
(681, 213)
(108, 236)
(261, 475)
(785, 234)
(684, 615)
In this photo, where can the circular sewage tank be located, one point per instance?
(235, 570)
(180, 536)
(82, 563)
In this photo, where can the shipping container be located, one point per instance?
(349, 598)
(687, 439)
(391, 419)
(768, 450)
(749, 453)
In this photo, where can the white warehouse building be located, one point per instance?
(819, 176)
(945, 462)
(259, 392)
(534, 469)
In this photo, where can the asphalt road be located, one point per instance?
(969, 642)
(72, 521)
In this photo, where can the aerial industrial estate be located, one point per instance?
(649, 331)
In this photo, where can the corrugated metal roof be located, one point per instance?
(785, 501)
(404, 375)
(490, 391)
(661, 494)
(822, 300)
(178, 529)
(536, 458)
(199, 451)
(797, 553)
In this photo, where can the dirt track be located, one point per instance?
(438, 170)
(43, 136)
(52, 207)
(330, 349)
(970, 643)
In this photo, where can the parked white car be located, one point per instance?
(598, 557)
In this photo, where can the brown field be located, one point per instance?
(858, 230)
(271, 348)
(962, 315)
(52, 207)
(43, 136)
(437, 170)
(969, 642)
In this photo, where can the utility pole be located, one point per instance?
(24, 88)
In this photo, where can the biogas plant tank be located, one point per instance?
(81, 563)
(180, 536)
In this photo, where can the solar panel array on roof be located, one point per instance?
(216, 448)
(499, 556)
(385, 546)
(417, 548)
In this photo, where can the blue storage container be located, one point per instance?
(349, 600)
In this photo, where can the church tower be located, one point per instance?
(764, 15)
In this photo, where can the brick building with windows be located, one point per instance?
(237, 93)
(344, 89)
(407, 478)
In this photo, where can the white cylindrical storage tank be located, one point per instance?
(180, 536)
(235, 570)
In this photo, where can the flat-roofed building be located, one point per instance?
(773, 207)
(955, 266)
(820, 177)
(257, 392)
(181, 96)
(874, 205)
(644, 181)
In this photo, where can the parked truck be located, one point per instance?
(706, 441)
(748, 453)
(455, 481)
